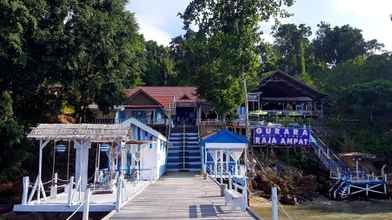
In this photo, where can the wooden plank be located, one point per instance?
(180, 196)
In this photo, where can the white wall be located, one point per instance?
(153, 161)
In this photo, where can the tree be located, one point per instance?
(270, 58)
(291, 41)
(11, 134)
(369, 98)
(338, 44)
(227, 34)
(158, 68)
(102, 43)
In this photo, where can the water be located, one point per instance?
(323, 209)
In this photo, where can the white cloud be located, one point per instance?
(366, 8)
(158, 20)
(152, 32)
(372, 16)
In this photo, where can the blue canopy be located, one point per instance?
(225, 136)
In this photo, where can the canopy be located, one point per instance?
(91, 132)
(225, 139)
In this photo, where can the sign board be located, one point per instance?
(253, 97)
(281, 136)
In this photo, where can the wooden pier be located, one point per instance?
(180, 196)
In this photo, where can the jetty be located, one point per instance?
(180, 195)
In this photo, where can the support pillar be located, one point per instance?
(216, 163)
(81, 163)
(221, 166)
(227, 162)
(123, 158)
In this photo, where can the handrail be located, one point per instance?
(183, 145)
(76, 210)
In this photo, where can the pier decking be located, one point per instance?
(180, 196)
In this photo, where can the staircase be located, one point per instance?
(328, 158)
(184, 153)
(347, 182)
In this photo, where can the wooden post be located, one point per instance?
(236, 170)
(118, 197)
(221, 166)
(53, 189)
(245, 195)
(86, 204)
(367, 190)
(205, 160)
(227, 162)
(35, 188)
(39, 172)
(230, 182)
(274, 198)
(216, 164)
(70, 190)
(26, 182)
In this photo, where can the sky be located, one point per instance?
(158, 19)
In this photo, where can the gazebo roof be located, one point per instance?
(91, 132)
(225, 136)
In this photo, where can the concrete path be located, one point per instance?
(180, 196)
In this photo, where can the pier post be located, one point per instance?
(70, 190)
(221, 166)
(367, 190)
(39, 172)
(227, 161)
(274, 198)
(86, 204)
(26, 182)
(118, 194)
(230, 182)
(216, 164)
(53, 188)
(245, 195)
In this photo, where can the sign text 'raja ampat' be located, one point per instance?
(281, 136)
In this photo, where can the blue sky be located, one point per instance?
(158, 19)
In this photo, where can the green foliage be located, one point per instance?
(290, 42)
(89, 50)
(227, 35)
(158, 69)
(102, 41)
(12, 153)
(188, 53)
(339, 44)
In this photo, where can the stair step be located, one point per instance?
(186, 142)
(180, 159)
(187, 133)
(188, 154)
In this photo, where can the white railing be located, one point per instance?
(74, 193)
(237, 192)
(27, 194)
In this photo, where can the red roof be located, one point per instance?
(166, 95)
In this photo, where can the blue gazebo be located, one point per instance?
(222, 152)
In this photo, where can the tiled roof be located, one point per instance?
(166, 95)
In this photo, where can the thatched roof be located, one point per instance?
(91, 132)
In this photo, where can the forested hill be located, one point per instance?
(58, 57)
